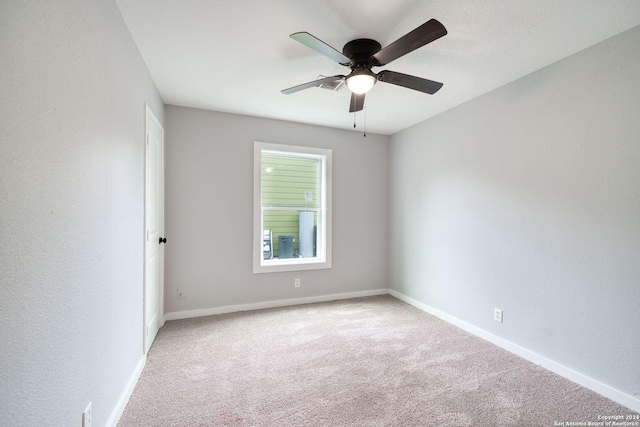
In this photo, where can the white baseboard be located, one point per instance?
(176, 315)
(623, 399)
(126, 393)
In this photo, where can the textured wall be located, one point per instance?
(528, 199)
(209, 202)
(71, 197)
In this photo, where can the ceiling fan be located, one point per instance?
(363, 54)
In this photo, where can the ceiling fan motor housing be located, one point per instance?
(361, 52)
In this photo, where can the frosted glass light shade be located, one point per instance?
(361, 83)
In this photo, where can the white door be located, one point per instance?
(154, 229)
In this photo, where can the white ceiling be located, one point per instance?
(236, 55)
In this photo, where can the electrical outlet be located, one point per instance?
(296, 283)
(497, 315)
(180, 293)
(86, 416)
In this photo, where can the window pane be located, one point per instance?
(290, 181)
(287, 223)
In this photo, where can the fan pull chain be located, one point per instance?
(354, 119)
(365, 122)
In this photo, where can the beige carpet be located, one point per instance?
(363, 362)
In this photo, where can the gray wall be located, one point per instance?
(528, 199)
(209, 202)
(71, 197)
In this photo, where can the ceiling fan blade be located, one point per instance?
(321, 47)
(425, 33)
(314, 83)
(357, 102)
(411, 82)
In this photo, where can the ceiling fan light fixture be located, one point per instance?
(361, 82)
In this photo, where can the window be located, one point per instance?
(291, 208)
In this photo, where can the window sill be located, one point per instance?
(290, 264)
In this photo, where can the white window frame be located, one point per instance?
(323, 254)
